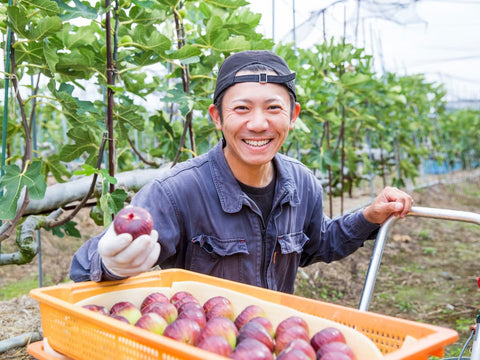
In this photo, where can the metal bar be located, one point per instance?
(476, 344)
(379, 246)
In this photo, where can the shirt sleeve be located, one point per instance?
(87, 264)
(338, 238)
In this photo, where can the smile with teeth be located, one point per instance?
(257, 143)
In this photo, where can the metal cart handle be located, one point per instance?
(381, 239)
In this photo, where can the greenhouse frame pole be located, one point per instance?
(5, 106)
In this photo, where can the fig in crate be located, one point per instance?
(293, 349)
(183, 330)
(165, 309)
(127, 310)
(193, 313)
(325, 336)
(266, 323)
(97, 308)
(151, 299)
(251, 349)
(283, 338)
(254, 330)
(221, 309)
(215, 300)
(152, 322)
(216, 344)
(247, 314)
(220, 326)
(289, 322)
(335, 347)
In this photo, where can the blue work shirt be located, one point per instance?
(207, 224)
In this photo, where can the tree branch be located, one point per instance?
(140, 156)
(26, 242)
(28, 155)
(34, 103)
(81, 204)
(180, 30)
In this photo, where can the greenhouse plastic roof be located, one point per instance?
(437, 38)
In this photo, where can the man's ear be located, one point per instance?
(295, 114)
(215, 115)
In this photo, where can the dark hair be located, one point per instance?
(255, 68)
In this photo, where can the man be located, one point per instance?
(242, 211)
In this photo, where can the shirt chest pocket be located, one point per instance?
(218, 257)
(219, 247)
(290, 243)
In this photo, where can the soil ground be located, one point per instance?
(428, 272)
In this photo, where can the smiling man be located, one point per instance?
(242, 211)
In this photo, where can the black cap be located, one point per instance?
(236, 62)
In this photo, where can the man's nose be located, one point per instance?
(258, 121)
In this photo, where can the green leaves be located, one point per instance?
(39, 30)
(109, 203)
(165, 67)
(48, 7)
(81, 9)
(218, 38)
(84, 142)
(15, 181)
(177, 95)
(69, 228)
(52, 165)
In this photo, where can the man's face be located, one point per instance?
(256, 122)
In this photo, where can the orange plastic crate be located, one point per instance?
(85, 335)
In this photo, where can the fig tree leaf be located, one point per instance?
(353, 80)
(144, 3)
(84, 141)
(111, 203)
(81, 9)
(68, 228)
(169, 2)
(75, 109)
(178, 96)
(46, 27)
(58, 170)
(51, 56)
(97, 215)
(71, 229)
(151, 40)
(108, 179)
(48, 7)
(118, 197)
(57, 231)
(14, 181)
(301, 126)
(86, 170)
(128, 115)
(32, 52)
(142, 16)
(227, 4)
(18, 22)
(232, 45)
(186, 52)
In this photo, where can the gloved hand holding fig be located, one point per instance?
(129, 246)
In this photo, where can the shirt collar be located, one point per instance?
(231, 197)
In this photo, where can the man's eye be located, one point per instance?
(241, 108)
(274, 107)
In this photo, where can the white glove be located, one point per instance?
(124, 257)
